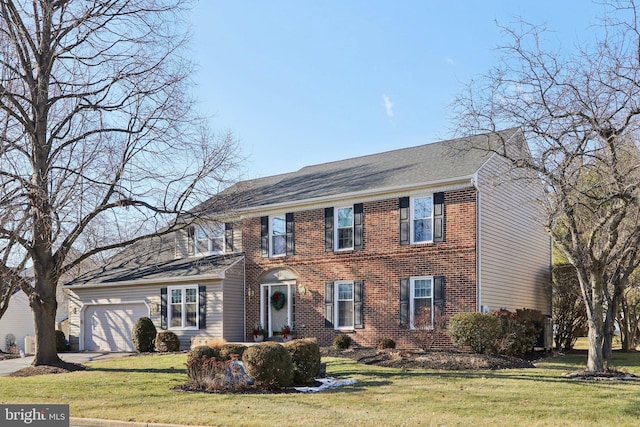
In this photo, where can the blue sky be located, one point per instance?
(302, 82)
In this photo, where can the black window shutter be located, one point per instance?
(438, 292)
(358, 221)
(328, 229)
(405, 228)
(328, 305)
(228, 237)
(404, 301)
(358, 322)
(264, 236)
(438, 217)
(163, 308)
(191, 247)
(202, 307)
(290, 234)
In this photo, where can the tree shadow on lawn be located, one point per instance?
(170, 370)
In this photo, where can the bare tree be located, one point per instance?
(100, 145)
(579, 114)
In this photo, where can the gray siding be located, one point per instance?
(149, 293)
(233, 307)
(184, 245)
(515, 250)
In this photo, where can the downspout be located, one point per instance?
(474, 183)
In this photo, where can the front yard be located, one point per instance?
(140, 389)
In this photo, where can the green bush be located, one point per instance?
(167, 341)
(61, 341)
(269, 365)
(385, 343)
(305, 355)
(226, 350)
(342, 341)
(203, 351)
(477, 330)
(143, 335)
(517, 335)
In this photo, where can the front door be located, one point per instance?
(276, 306)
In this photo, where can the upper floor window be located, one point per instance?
(183, 307)
(278, 235)
(422, 219)
(209, 239)
(344, 228)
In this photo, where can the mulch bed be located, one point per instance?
(61, 368)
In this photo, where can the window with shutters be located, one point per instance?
(422, 219)
(278, 235)
(183, 306)
(421, 302)
(344, 228)
(209, 240)
(344, 305)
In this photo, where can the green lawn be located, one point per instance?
(139, 389)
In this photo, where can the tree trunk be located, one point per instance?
(44, 315)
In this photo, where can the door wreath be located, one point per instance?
(278, 299)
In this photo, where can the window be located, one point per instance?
(278, 235)
(422, 219)
(344, 305)
(183, 307)
(421, 302)
(209, 239)
(344, 228)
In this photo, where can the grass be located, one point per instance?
(139, 389)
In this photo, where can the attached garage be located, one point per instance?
(107, 327)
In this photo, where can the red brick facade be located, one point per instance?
(380, 265)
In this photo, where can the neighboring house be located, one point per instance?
(374, 246)
(17, 321)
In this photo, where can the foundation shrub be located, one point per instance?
(269, 365)
(342, 341)
(167, 341)
(479, 331)
(305, 356)
(61, 341)
(143, 335)
(386, 343)
(226, 350)
(517, 335)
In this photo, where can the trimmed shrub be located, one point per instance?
(517, 335)
(385, 343)
(342, 341)
(305, 356)
(269, 365)
(61, 341)
(143, 335)
(479, 331)
(226, 350)
(167, 341)
(203, 351)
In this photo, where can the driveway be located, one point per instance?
(9, 366)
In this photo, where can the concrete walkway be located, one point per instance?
(8, 366)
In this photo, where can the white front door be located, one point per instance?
(275, 313)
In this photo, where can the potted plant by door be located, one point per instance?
(285, 331)
(259, 333)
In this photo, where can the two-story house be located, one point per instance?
(374, 246)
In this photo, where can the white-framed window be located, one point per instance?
(421, 302)
(343, 228)
(344, 305)
(182, 312)
(278, 235)
(209, 240)
(422, 219)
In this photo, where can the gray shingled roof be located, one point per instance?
(154, 259)
(393, 169)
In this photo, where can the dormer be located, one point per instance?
(205, 239)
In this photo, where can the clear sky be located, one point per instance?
(306, 82)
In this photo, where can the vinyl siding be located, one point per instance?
(233, 314)
(17, 320)
(150, 294)
(515, 250)
(184, 244)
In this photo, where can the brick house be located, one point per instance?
(375, 246)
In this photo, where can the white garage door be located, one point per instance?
(108, 327)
